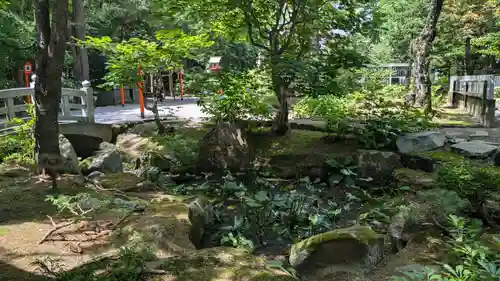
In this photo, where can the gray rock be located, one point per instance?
(225, 147)
(419, 142)
(476, 148)
(69, 157)
(108, 160)
(200, 215)
(456, 140)
(378, 165)
(480, 134)
(95, 175)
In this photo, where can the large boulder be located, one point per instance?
(224, 147)
(107, 160)
(378, 165)
(221, 264)
(69, 157)
(421, 141)
(355, 249)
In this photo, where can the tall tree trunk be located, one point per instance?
(421, 49)
(81, 59)
(280, 126)
(468, 58)
(51, 42)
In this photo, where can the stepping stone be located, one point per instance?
(476, 148)
(419, 142)
(480, 134)
(456, 140)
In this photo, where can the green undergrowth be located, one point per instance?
(441, 156)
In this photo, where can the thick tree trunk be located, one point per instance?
(51, 42)
(81, 59)
(421, 56)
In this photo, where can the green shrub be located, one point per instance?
(468, 179)
(468, 259)
(19, 147)
(327, 107)
(241, 98)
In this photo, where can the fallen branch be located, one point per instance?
(55, 228)
(99, 187)
(88, 239)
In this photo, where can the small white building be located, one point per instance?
(398, 74)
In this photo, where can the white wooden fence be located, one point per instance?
(76, 104)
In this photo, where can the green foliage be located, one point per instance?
(469, 180)
(342, 172)
(129, 265)
(443, 202)
(165, 53)
(242, 94)
(468, 258)
(20, 146)
(330, 107)
(497, 93)
(182, 150)
(386, 121)
(252, 214)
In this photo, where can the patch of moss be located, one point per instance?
(294, 142)
(414, 178)
(441, 156)
(121, 181)
(221, 264)
(86, 163)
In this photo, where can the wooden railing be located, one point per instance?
(476, 95)
(76, 104)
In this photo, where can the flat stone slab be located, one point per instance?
(420, 142)
(475, 148)
(480, 134)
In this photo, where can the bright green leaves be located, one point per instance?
(166, 53)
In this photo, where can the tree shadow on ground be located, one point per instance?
(12, 273)
(22, 199)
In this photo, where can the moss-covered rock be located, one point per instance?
(353, 249)
(167, 227)
(225, 147)
(218, 264)
(428, 161)
(416, 179)
(378, 165)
